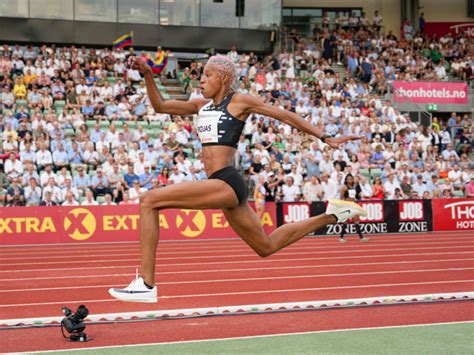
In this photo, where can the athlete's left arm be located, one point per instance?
(250, 104)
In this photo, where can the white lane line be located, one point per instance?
(291, 290)
(85, 254)
(292, 277)
(257, 261)
(69, 262)
(165, 244)
(345, 330)
(458, 261)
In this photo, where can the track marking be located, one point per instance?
(167, 243)
(248, 292)
(69, 262)
(260, 261)
(211, 251)
(210, 248)
(241, 270)
(254, 337)
(250, 279)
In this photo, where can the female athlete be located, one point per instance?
(221, 118)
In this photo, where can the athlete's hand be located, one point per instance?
(139, 64)
(335, 142)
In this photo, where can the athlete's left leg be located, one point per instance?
(245, 222)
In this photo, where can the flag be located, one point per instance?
(124, 41)
(158, 62)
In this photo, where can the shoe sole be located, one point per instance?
(138, 300)
(349, 204)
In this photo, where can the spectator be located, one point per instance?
(146, 178)
(100, 184)
(13, 167)
(89, 200)
(15, 194)
(176, 177)
(390, 185)
(108, 200)
(82, 181)
(47, 200)
(130, 177)
(54, 190)
(469, 188)
(290, 192)
(33, 193)
(70, 199)
(135, 192)
(312, 190)
(69, 189)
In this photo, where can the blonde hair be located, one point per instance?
(226, 68)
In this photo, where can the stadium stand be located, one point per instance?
(77, 127)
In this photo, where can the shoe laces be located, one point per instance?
(134, 281)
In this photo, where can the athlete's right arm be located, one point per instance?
(173, 107)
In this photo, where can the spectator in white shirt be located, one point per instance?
(69, 188)
(366, 189)
(326, 166)
(89, 201)
(33, 193)
(419, 186)
(290, 192)
(176, 177)
(390, 185)
(108, 200)
(135, 192)
(70, 200)
(139, 165)
(43, 157)
(330, 189)
(312, 190)
(54, 190)
(13, 167)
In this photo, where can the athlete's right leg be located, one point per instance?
(204, 194)
(190, 195)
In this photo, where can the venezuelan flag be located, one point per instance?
(158, 62)
(124, 41)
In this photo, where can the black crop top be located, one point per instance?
(216, 126)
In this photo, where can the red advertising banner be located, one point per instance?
(453, 214)
(49, 225)
(441, 28)
(423, 92)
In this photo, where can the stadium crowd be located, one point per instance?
(77, 127)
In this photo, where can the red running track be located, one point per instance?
(37, 281)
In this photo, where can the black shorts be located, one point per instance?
(232, 177)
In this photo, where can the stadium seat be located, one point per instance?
(375, 173)
(365, 172)
(21, 102)
(155, 124)
(458, 193)
(100, 199)
(59, 103)
(74, 167)
(69, 131)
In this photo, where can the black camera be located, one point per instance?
(74, 323)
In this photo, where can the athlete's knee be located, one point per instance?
(265, 251)
(150, 200)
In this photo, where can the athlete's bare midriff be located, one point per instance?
(217, 157)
